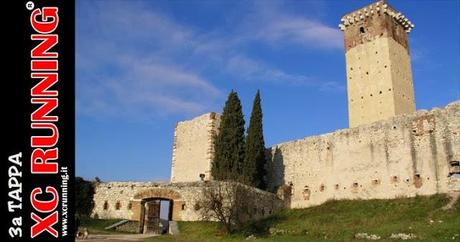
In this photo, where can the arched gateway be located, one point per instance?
(147, 205)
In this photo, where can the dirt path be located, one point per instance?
(453, 199)
(115, 237)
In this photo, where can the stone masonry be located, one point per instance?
(124, 200)
(379, 73)
(193, 148)
(403, 156)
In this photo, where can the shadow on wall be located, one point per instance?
(275, 169)
(278, 184)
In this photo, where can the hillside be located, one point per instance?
(341, 221)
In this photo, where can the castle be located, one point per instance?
(389, 151)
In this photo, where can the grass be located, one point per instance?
(340, 221)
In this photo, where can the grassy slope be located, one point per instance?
(340, 221)
(96, 226)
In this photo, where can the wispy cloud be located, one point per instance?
(271, 24)
(133, 60)
(117, 77)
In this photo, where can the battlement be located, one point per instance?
(378, 8)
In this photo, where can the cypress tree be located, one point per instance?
(254, 162)
(229, 143)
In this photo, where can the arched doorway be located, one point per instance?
(157, 208)
(157, 214)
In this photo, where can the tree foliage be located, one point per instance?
(229, 143)
(254, 163)
(84, 193)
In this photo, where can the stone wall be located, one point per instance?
(406, 155)
(193, 148)
(124, 200)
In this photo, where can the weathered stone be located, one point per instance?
(385, 159)
(403, 236)
(193, 148)
(184, 197)
(379, 75)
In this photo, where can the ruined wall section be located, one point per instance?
(402, 156)
(123, 200)
(193, 148)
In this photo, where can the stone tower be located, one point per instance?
(193, 148)
(379, 75)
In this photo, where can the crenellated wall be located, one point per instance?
(406, 155)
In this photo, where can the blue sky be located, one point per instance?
(142, 66)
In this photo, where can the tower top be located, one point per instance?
(379, 7)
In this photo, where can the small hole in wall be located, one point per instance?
(394, 178)
(394, 127)
(376, 52)
(362, 97)
(336, 186)
(322, 187)
(118, 205)
(183, 207)
(130, 206)
(380, 92)
(385, 66)
(197, 206)
(362, 30)
(367, 73)
(355, 184)
(106, 205)
(371, 95)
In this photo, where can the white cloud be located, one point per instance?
(133, 60)
(301, 31)
(271, 24)
(117, 76)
